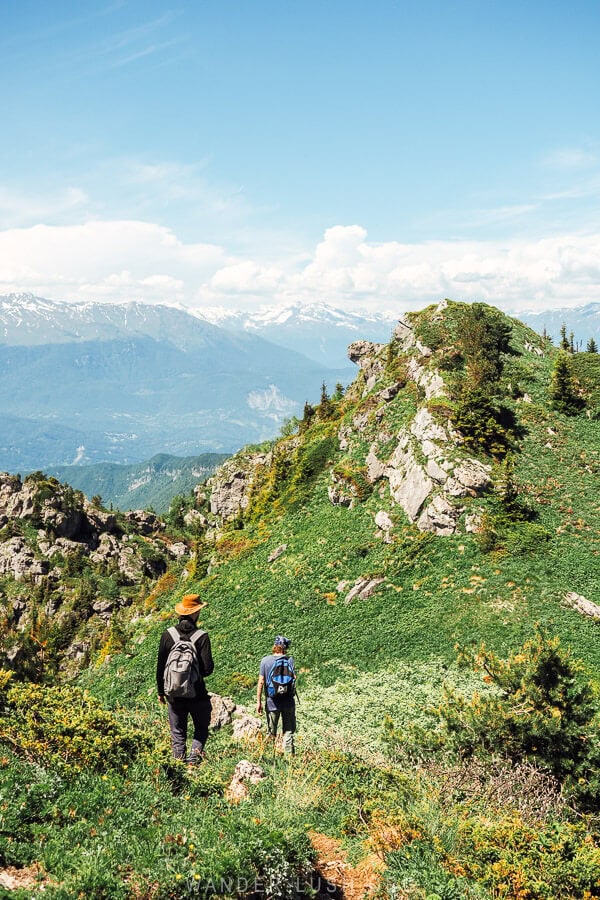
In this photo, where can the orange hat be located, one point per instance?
(189, 605)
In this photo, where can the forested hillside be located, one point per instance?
(152, 484)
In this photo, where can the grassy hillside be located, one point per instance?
(152, 484)
(383, 790)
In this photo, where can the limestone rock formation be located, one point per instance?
(582, 605)
(244, 774)
(385, 526)
(246, 727)
(229, 486)
(365, 355)
(427, 472)
(276, 553)
(222, 710)
(65, 547)
(363, 588)
(195, 519)
(18, 560)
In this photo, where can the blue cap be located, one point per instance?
(281, 641)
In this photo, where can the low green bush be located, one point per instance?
(540, 708)
(66, 728)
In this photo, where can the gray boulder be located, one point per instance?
(18, 560)
(222, 710)
(409, 484)
(582, 605)
(244, 774)
(440, 516)
(363, 588)
(246, 727)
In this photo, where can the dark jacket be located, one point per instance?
(185, 627)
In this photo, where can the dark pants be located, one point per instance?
(179, 710)
(287, 716)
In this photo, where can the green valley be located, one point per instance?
(152, 484)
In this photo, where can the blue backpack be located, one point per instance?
(281, 679)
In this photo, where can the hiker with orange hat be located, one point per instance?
(184, 659)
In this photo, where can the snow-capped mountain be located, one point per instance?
(98, 382)
(27, 320)
(317, 330)
(583, 321)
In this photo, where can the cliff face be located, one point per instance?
(63, 523)
(66, 565)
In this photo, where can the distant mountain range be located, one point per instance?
(141, 485)
(583, 321)
(99, 382)
(317, 330)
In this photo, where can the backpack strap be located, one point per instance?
(196, 635)
(172, 631)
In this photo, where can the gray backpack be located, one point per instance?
(182, 669)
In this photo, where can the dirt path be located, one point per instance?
(332, 866)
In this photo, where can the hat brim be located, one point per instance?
(189, 610)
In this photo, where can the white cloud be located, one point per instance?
(114, 260)
(125, 260)
(570, 158)
(19, 208)
(247, 277)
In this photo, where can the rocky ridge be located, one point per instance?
(421, 467)
(427, 473)
(71, 562)
(68, 524)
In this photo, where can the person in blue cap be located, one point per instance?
(277, 679)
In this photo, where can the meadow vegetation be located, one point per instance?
(448, 738)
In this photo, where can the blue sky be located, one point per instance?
(314, 150)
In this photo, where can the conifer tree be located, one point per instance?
(592, 346)
(563, 391)
(325, 406)
(564, 340)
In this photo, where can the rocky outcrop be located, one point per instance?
(429, 380)
(424, 480)
(363, 588)
(276, 553)
(144, 522)
(230, 485)
(426, 471)
(246, 727)
(18, 560)
(222, 710)
(385, 526)
(132, 565)
(244, 774)
(375, 468)
(69, 526)
(439, 516)
(409, 483)
(195, 519)
(340, 493)
(582, 605)
(366, 355)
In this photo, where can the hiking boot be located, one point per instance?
(196, 756)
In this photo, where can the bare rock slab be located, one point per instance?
(582, 605)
